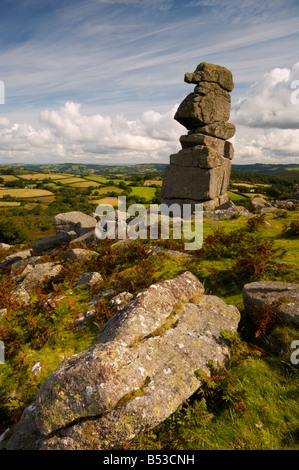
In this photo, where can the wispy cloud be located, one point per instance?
(128, 58)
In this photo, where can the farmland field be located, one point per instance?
(24, 192)
(69, 180)
(9, 204)
(146, 192)
(43, 176)
(84, 184)
(151, 182)
(108, 189)
(107, 200)
(8, 177)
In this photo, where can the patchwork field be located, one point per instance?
(43, 176)
(24, 192)
(143, 191)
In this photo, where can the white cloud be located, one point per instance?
(267, 120)
(69, 135)
(268, 103)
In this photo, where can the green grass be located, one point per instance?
(266, 418)
(143, 191)
(250, 404)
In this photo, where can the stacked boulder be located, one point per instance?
(200, 172)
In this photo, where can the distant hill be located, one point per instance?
(289, 170)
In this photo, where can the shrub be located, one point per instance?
(12, 232)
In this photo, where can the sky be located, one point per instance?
(99, 81)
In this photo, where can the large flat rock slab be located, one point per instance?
(142, 366)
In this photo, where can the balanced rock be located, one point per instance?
(200, 172)
(141, 368)
(205, 72)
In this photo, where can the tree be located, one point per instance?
(11, 232)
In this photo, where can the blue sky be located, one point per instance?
(98, 81)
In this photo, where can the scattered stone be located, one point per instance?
(38, 274)
(88, 279)
(105, 295)
(20, 295)
(226, 211)
(36, 368)
(87, 240)
(141, 368)
(5, 246)
(44, 245)
(74, 221)
(283, 296)
(120, 300)
(160, 249)
(24, 263)
(3, 311)
(84, 318)
(259, 205)
(20, 255)
(286, 205)
(77, 254)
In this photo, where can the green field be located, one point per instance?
(143, 191)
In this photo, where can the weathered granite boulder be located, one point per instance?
(226, 211)
(208, 103)
(220, 146)
(141, 367)
(88, 279)
(5, 246)
(259, 205)
(198, 156)
(220, 130)
(283, 296)
(206, 72)
(47, 244)
(44, 272)
(20, 255)
(74, 254)
(198, 184)
(87, 240)
(200, 172)
(74, 221)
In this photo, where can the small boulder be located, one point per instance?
(259, 205)
(88, 279)
(283, 296)
(20, 255)
(38, 274)
(74, 221)
(77, 254)
(5, 246)
(47, 244)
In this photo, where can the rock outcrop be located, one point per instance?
(283, 296)
(142, 366)
(74, 221)
(200, 172)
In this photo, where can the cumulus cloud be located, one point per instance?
(67, 134)
(269, 103)
(266, 145)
